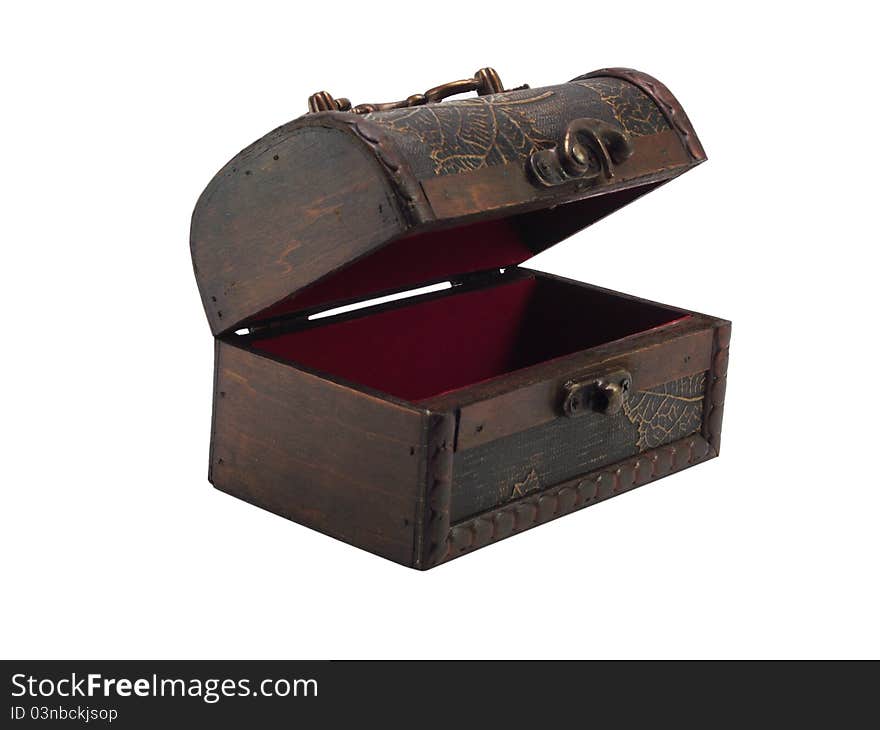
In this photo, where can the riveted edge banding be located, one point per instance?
(575, 494)
(713, 408)
(441, 432)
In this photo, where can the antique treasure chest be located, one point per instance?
(442, 421)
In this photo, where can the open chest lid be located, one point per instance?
(342, 204)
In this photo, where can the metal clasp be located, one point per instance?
(596, 394)
(589, 150)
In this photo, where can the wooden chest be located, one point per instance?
(429, 426)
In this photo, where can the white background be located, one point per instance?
(114, 545)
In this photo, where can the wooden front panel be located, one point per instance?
(680, 350)
(517, 441)
(488, 189)
(528, 461)
(519, 513)
(337, 460)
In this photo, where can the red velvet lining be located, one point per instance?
(412, 260)
(425, 348)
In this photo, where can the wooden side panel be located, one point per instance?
(294, 206)
(334, 459)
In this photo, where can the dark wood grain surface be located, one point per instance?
(283, 214)
(336, 460)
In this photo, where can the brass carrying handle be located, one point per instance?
(485, 81)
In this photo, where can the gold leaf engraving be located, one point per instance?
(632, 110)
(668, 412)
(529, 484)
(472, 133)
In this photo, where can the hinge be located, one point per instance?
(274, 326)
(475, 278)
(294, 320)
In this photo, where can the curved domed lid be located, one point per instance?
(340, 205)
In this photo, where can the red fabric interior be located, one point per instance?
(446, 253)
(412, 260)
(421, 349)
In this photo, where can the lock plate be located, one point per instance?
(604, 394)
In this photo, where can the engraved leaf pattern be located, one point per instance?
(473, 133)
(632, 110)
(668, 412)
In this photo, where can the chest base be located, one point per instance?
(423, 429)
